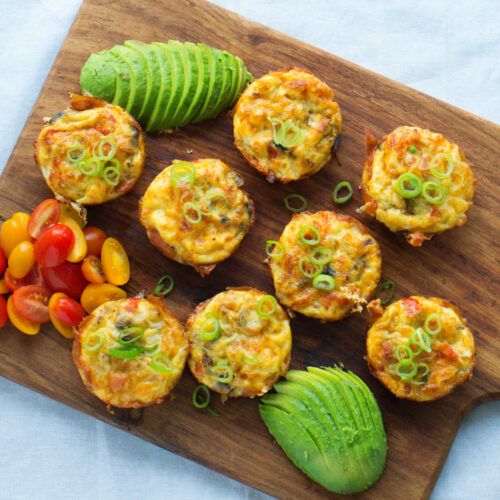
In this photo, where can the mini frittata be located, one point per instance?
(196, 213)
(420, 348)
(286, 123)
(240, 342)
(418, 182)
(325, 265)
(90, 153)
(131, 352)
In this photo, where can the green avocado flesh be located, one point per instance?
(329, 425)
(166, 85)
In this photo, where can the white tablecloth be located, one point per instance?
(449, 49)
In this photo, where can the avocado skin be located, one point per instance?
(328, 423)
(166, 85)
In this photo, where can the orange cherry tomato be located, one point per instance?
(65, 331)
(12, 233)
(54, 245)
(45, 215)
(19, 322)
(95, 239)
(92, 269)
(96, 294)
(31, 302)
(79, 249)
(3, 288)
(3, 261)
(3, 312)
(22, 259)
(33, 278)
(115, 263)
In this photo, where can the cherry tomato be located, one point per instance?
(79, 249)
(3, 312)
(115, 263)
(20, 323)
(96, 294)
(92, 269)
(65, 331)
(3, 288)
(67, 311)
(95, 239)
(31, 302)
(45, 215)
(34, 277)
(54, 245)
(22, 259)
(74, 211)
(2, 261)
(66, 278)
(12, 233)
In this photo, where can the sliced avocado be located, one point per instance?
(239, 75)
(232, 67)
(222, 65)
(161, 76)
(98, 77)
(118, 52)
(213, 82)
(123, 79)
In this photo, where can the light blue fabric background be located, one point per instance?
(449, 49)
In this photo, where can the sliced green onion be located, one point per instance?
(130, 335)
(422, 372)
(187, 210)
(216, 193)
(403, 351)
(266, 306)
(387, 288)
(405, 369)
(152, 348)
(271, 246)
(103, 142)
(203, 402)
(161, 363)
(164, 286)
(76, 153)
(183, 172)
(308, 268)
(435, 319)
(289, 202)
(288, 134)
(91, 167)
(409, 185)
(436, 161)
(433, 192)
(422, 339)
(210, 330)
(112, 172)
(250, 358)
(346, 197)
(413, 149)
(321, 255)
(225, 372)
(130, 352)
(324, 282)
(309, 235)
(94, 341)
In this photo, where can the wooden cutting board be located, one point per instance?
(459, 265)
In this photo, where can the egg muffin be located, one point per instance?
(196, 213)
(418, 182)
(130, 353)
(90, 153)
(325, 265)
(286, 123)
(240, 342)
(420, 348)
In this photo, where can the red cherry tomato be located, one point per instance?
(3, 312)
(32, 303)
(45, 215)
(34, 277)
(68, 311)
(2, 261)
(95, 238)
(66, 278)
(54, 245)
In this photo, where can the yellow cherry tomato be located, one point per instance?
(21, 324)
(23, 219)
(115, 263)
(12, 233)
(22, 259)
(3, 288)
(74, 211)
(79, 249)
(65, 331)
(96, 294)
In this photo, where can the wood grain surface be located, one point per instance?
(459, 265)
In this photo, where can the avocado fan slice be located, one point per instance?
(162, 76)
(213, 82)
(98, 77)
(328, 423)
(122, 56)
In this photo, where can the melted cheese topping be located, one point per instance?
(294, 95)
(131, 383)
(354, 264)
(223, 223)
(257, 349)
(391, 158)
(450, 361)
(86, 128)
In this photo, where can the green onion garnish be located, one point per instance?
(403, 351)
(271, 246)
(308, 268)
(413, 149)
(76, 153)
(210, 330)
(224, 371)
(130, 352)
(105, 142)
(112, 172)
(130, 335)
(91, 167)
(433, 192)
(201, 400)
(94, 341)
(321, 255)
(266, 306)
(437, 161)
(433, 319)
(409, 185)
(422, 372)
(324, 282)
(192, 212)
(286, 133)
(164, 286)
(250, 358)
(183, 172)
(291, 198)
(387, 288)
(405, 369)
(216, 193)
(422, 339)
(346, 197)
(161, 363)
(309, 235)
